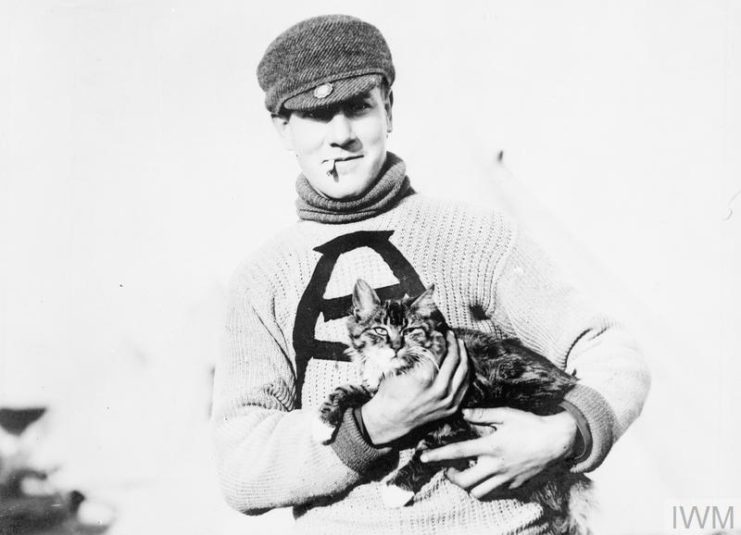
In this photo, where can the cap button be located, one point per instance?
(323, 90)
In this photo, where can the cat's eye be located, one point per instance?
(381, 331)
(416, 332)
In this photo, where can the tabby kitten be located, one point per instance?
(394, 336)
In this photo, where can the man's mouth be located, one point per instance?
(348, 158)
(330, 164)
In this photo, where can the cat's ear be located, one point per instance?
(424, 305)
(364, 299)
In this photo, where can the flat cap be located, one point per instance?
(323, 60)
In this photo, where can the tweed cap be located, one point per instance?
(321, 61)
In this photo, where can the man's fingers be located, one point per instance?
(489, 416)
(469, 478)
(452, 357)
(461, 372)
(459, 450)
(489, 486)
(453, 377)
(523, 478)
(459, 383)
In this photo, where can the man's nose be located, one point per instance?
(340, 130)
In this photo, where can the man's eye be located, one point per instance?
(317, 115)
(359, 107)
(380, 330)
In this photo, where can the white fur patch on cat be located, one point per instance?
(378, 362)
(322, 432)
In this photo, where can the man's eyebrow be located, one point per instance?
(362, 96)
(315, 112)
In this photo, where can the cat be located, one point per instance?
(392, 337)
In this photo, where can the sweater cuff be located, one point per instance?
(600, 423)
(583, 441)
(352, 448)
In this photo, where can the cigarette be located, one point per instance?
(328, 167)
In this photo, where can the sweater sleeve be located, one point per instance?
(532, 301)
(265, 454)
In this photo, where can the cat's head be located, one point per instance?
(390, 335)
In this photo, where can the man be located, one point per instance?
(328, 88)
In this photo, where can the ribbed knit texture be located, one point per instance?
(489, 277)
(392, 186)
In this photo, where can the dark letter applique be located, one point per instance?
(313, 304)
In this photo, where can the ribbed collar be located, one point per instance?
(392, 186)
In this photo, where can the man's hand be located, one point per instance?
(518, 446)
(422, 395)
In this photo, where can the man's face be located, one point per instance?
(341, 148)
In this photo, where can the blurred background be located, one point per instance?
(138, 167)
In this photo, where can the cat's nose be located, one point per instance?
(396, 343)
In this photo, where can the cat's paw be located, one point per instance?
(322, 432)
(396, 497)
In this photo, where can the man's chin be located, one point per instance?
(344, 196)
(350, 190)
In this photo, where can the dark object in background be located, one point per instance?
(24, 514)
(29, 505)
(16, 421)
(46, 514)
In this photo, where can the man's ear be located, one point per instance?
(282, 126)
(389, 104)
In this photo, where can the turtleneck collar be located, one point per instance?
(391, 186)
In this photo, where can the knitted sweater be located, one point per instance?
(283, 354)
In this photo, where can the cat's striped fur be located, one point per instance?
(394, 336)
